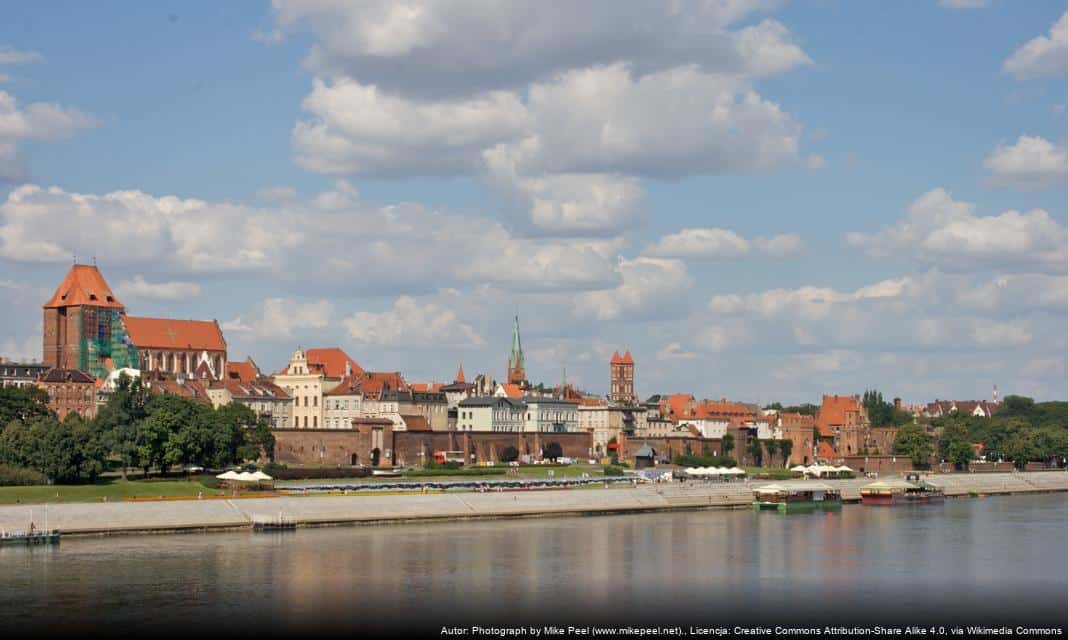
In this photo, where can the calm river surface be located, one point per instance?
(1000, 559)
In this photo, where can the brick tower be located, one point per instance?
(621, 372)
(79, 320)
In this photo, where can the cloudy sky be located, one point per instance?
(763, 200)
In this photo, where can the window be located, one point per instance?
(315, 422)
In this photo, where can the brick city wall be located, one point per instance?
(878, 464)
(668, 447)
(338, 446)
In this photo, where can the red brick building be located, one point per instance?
(69, 391)
(621, 377)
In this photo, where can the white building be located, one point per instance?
(551, 415)
(489, 413)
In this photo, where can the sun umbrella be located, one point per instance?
(259, 475)
(229, 475)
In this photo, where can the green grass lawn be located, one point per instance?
(526, 471)
(773, 473)
(116, 490)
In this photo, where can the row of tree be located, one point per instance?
(135, 429)
(1021, 431)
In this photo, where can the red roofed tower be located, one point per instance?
(79, 320)
(621, 372)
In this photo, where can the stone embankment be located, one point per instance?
(222, 515)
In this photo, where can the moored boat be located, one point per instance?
(29, 537)
(897, 492)
(790, 497)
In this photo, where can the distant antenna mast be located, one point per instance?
(995, 394)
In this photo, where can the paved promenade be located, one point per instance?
(207, 515)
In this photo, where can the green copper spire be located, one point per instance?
(516, 373)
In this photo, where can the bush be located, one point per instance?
(704, 461)
(613, 470)
(446, 471)
(12, 476)
(315, 473)
(449, 465)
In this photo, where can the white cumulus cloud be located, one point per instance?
(1045, 55)
(1031, 162)
(409, 323)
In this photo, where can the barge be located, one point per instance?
(898, 492)
(791, 497)
(29, 537)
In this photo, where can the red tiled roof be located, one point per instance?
(833, 412)
(246, 371)
(332, 361)
(616, 359)
(722, 410)
(825, 451)
(83, 284)
(165, 333)
(512, 390)
(627, 358)
(460, 374)
(677, 405)
(66, 375)
(262, 388)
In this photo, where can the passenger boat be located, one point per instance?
(790, 497)
(29, 537)
(896, 492)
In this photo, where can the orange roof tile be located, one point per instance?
(460, 374)
(678, 405)
(616, 359)
(722, 410)
(165, 333)
(627, 358)
(83, 284)
(512, 390)
(332, 360)
(246, 371)
(826, 451)
(833, 412)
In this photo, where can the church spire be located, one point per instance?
(516, 374)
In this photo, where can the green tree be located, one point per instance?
(787, 448)
(727, 444)
(772, 447)
(756, 450)
(22, 403)
(118, 421)
(880, 413)
(955, 444)
(1021, 448)
(912, 441)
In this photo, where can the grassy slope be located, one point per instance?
(114, 490)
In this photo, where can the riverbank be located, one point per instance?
(310, 511)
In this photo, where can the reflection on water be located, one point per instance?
(936, 559)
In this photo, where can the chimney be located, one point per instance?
(348, 369)
(897, 403)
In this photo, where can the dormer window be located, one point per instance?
(92, 296)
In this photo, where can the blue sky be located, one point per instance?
(764, 200)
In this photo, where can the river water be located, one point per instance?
(1000, 560)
